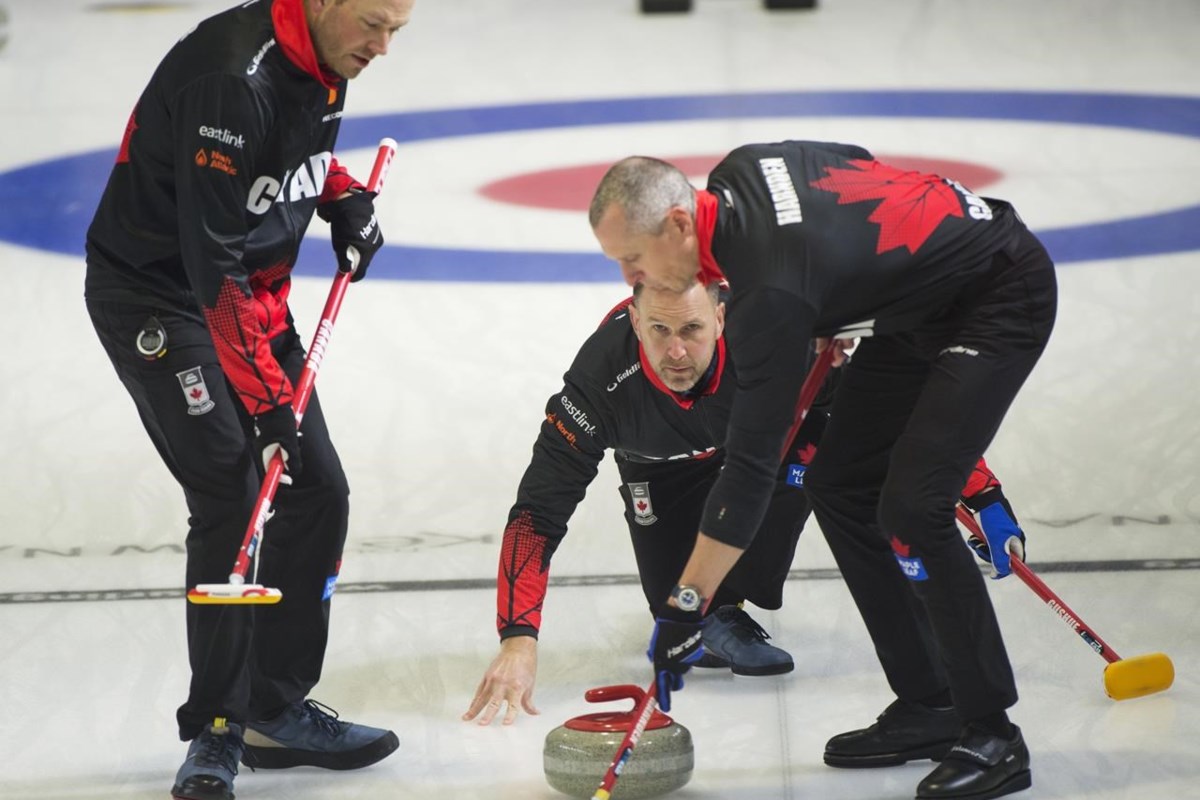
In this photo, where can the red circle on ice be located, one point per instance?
(571, 188)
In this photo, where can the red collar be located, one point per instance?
(681, 401)
(706, 225)
(291, 31)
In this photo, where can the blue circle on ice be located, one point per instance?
(50, 204)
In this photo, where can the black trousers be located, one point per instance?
(671, 497)
(912, 416)
(247, 662)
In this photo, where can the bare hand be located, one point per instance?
(509, 680)
(840, 346)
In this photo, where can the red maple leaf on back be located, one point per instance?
(914, 203)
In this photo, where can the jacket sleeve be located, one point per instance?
(769, 333)
(982, 479)
(219, 125)
(337, 182)
(566, 457)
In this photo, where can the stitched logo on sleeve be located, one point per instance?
(195, 391)
(330, 585)
(643, 509)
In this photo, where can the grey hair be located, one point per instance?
(645, 189)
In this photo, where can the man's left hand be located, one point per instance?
(352, 224)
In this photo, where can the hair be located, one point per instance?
(713, 290)
(646, 189)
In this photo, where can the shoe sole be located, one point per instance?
(179, 793)
(770, 669)
(286, 757)
(1015, 783)
(713, 661)
(931, 752)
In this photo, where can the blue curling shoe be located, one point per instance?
(733, 639)
(211, 764)
(310, 734)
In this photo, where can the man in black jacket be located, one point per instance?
(227, 155)
(954, 301)
(655, 385)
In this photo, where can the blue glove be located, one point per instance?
(675, 646)
(1000, 527)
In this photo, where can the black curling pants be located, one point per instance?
(672, 494)
(912, 416)
(247, 662)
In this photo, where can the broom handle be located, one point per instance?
(304, 386)
(641, 714)
(1045, 592)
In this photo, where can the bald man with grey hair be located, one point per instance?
(645, 189)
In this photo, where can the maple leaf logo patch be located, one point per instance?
(913, 203)
(643, 508)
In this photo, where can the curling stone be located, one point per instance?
(579, 752)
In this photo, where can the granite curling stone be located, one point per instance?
(579, 752)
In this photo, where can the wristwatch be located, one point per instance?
(688, 598)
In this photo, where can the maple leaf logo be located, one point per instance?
(641, 505)
(806, 453)
(900, 548)
(913, 206)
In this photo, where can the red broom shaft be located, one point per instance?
(642, 714)
(304, 386)
(1046, 593)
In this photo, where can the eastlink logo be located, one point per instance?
(223, 136)
(259, 56)
(578, 415)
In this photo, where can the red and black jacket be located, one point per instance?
(612, 400)
(820, 239)
(225, 158)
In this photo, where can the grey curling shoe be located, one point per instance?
(733, 639)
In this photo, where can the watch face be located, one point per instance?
(688, 598)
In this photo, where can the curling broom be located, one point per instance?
(1124, 678)
(237, 591)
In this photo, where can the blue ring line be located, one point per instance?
(49, 205)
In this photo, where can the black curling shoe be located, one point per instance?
(904, 732)
(980, 766)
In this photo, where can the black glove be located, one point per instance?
(675, 646)
(352, 223)
(999, 525)
(277, 428)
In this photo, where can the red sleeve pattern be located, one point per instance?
(981, 480)
(241, 328)
(521, 579)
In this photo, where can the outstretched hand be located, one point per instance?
(508, 681)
